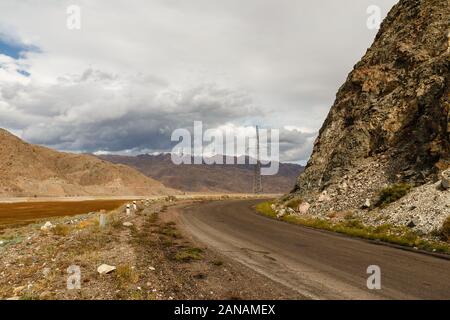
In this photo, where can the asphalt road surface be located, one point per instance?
(317, 264)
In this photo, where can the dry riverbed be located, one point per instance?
(153, 260)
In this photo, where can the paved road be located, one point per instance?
(318, 265)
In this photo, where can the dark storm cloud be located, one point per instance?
(137, 70)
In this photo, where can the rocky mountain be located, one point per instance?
(30, 170)
(390, 122)
(208, 178)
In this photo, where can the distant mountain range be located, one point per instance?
(208, 178)
(29, 170)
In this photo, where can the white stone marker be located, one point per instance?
(102, 220)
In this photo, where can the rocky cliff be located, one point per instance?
(390, 121)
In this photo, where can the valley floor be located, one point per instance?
(153, 260)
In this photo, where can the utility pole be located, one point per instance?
(257, 182)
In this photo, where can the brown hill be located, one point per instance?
(209, 178)
(390, 122)
(30, 170)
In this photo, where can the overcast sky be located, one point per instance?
(137, 70)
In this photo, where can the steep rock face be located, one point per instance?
(390, 121)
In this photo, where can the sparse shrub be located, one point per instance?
(29, 296)
(167, 243)
(87, 223)
(217, 263)
(189, 254)
(392, 193)
(349, 216)
(115, 222)
(445, 230)
(169, 230)
(126, 275)
(171, 198)
(266, 209)
(61, 230)
(332, 215)
(294, 203)
(384, 228)
(353, 223)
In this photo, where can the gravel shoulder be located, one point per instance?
(153, 260)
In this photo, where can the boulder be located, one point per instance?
(303, 207)
(47, 226)
(127, 224)
(366, 204)
(105, 269)
(281, 213)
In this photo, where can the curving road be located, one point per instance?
(318, 265)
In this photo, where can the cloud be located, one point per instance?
(137, 70)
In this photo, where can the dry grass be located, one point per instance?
(392, 194)
(169, 230)
(444, 231)
(294, 203)
(61, 230)
(126, 275)
(353, 227)
(189, 254)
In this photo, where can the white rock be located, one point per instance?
(290, 211)
(281, 213)
(152, 268)
(366, 204)
(105, 269)
(127, 224)
(46, 271)
(324, 197)
(303, 207)
(47, 226)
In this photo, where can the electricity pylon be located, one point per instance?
(257, 181)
